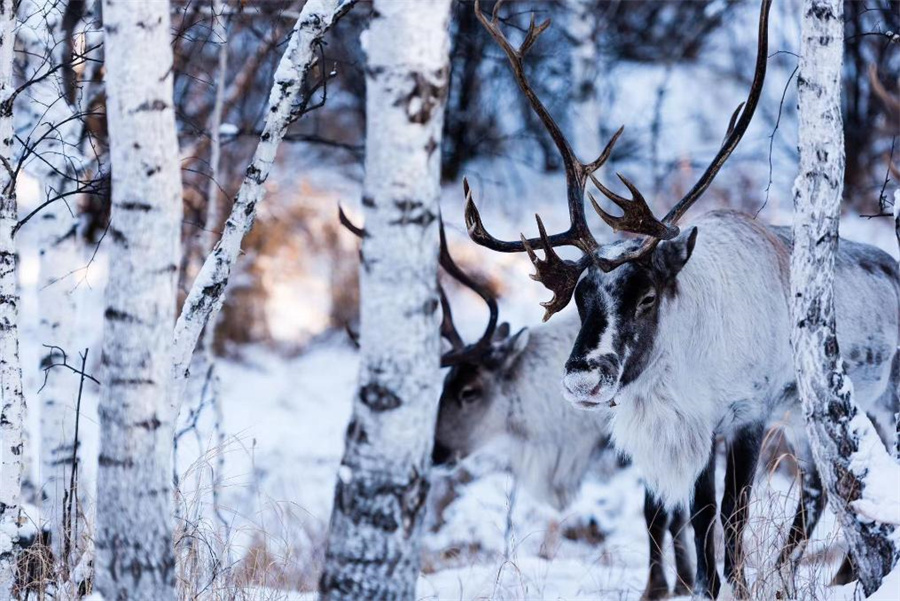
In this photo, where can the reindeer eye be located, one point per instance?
(469, 395)
(646, 302)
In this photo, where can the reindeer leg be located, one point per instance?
(809, 510)
(846, 573)
(743, 453)
(656, 517)
(703, 519)
(684, 570)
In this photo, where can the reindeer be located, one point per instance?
(509, 393)
(503, 388)
(685, 334)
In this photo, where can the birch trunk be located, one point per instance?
(582, 25)
(373, 546)
(43, 113)
(134, 554)
(207, 293)
(12, 399)
(848, 453)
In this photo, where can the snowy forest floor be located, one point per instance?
(286, 421)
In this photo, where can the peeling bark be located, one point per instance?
(207, 294)
(12, 399)
(134, 556)
(373, 546)
(848, 453)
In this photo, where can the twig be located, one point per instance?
(70, 526)
(882, 197)
(65, 363)
(772, 138)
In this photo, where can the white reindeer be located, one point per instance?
(686, 337)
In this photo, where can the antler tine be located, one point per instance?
(620, 201)
(604, 156)
(448, 329)
(477, 232)
(741, 120)
(450, 266)
(734, 117)
(557, 275)
(637, 217)
(495, 14)
(531, 36)
(345, 221)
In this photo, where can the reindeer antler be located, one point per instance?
(459, 351)
(561, 276)
(737, 126)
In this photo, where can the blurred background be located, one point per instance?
(257, 468)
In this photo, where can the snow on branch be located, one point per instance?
(206, 296)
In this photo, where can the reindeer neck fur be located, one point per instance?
(720, 353)
(552, 444)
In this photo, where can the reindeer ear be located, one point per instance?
(502, 332)
(672, 255)
(512, 348)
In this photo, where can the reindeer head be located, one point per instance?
(474, 406)
(468, 416)
(618, 287)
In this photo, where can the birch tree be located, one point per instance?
(51, 130)
(134, 554)
(853, 462)
(287, 102)
(379, 501)
(12, 399)
(582, 25)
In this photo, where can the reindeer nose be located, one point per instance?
(441, 454)
(605, 366)
(581, 384)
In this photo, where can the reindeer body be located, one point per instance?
(720, 360)
(693, 343)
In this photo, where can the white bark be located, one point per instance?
(207, 294)
(582, 27)
(373, 547)
(12, 399)
(43, 113)
(133, 538)
(849, 455)
(220, 35)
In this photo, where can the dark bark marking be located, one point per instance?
(356, 434)
(426, 97)
(112, 314)
(107, 461)
(156, 105)
(149, 424)
(379, 398)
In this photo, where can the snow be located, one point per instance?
(880, 500)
